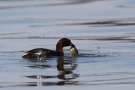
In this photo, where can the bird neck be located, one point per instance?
(59, 49)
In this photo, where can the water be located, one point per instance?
(102, 30)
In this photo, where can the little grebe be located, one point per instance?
(42, 52)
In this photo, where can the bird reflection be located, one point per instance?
(65, 68)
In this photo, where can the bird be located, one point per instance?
(43, 52)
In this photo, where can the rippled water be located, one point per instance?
(102, 30)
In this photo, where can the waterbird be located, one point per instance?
(43, 52)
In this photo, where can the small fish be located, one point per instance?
(74, 50)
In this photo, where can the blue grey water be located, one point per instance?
(102, 30)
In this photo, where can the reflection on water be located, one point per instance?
(65, 67)
(29, 84)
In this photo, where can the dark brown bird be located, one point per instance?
(42, 52)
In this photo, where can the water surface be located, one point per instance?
(102, 30)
